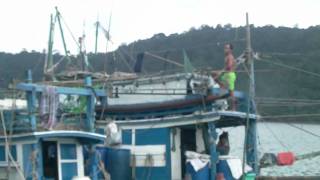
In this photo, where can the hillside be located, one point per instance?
(279, 46)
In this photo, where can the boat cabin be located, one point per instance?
(45, 141)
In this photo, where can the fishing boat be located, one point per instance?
(69, 132)
(48, 144)
(85, 125)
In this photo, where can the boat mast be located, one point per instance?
(58, 16)
(97, 33)
(49, 59)
(48, 64)
(250, 145)
(250, 60)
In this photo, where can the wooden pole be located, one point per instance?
(250, 146)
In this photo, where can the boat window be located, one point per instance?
(2, 153)
(13, 152)
(69, 161)
(68, 151)
(69, 170)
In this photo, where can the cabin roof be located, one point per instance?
(81, 135)
(220, 118)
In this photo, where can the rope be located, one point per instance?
(282, 101)
(125, 61)
(37, 63)
(102, 169)
(287, 99)
(8, 148)
(292, 68)
(290, 116)
(286, 104)
(164, 59)
(217, 43)
(304, 130)
(55, 65)
(276, 137)
(69, 30)
(13, 110)
(271, 102)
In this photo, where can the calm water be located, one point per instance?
(292, 139)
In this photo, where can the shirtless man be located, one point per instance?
(227, 77)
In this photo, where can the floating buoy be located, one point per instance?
(285, 158)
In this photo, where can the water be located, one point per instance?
(283, 138)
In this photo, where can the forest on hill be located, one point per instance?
(286, 73)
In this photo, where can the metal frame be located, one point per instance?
(89, 92)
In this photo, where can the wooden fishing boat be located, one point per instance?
(185, 105)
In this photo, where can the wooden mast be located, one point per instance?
(250, 145)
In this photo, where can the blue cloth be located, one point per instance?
(202, 174)
(223, 167)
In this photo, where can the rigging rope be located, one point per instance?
(164, 59)
(217, 43)
(276, 137)
(38, 62)
(292, 68)
(287, 99)
(125, 61)
(8, 147)
(69, 30)
(289, 116)
(286, 104)
(304, 130)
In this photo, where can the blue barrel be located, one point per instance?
(223, 167)
(117, 162)
(201, 174)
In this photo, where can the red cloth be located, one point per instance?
(285, 158)
(220, 176)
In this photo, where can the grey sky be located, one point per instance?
(25, 23)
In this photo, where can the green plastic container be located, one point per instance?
(250, 176)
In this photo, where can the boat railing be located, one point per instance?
(49, 107)
(46, 111)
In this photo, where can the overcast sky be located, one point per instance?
(25, 23)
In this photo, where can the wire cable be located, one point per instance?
(292, 68)
(290, 116)
(304, 130)
(276, 137)
(69, 30)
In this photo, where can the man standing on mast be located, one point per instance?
(227, 77)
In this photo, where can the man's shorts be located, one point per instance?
(229, 79)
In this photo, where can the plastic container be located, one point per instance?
(250, 176)
(117, 162)
(201, 174)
